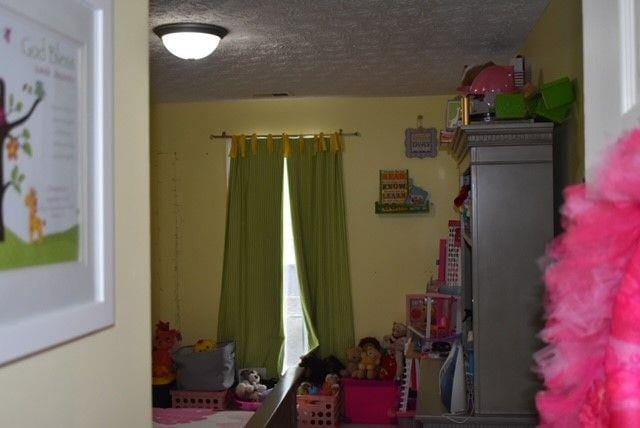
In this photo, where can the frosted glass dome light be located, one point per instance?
(190, 40)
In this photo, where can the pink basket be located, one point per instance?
(370, 401)
(215, 400)
(318, 410)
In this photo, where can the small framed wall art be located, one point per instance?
(398, 194)
(56, 173)
(421, 142)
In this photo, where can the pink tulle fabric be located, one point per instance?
(591, 365)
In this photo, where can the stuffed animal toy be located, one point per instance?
(388, 366)
(204, 345)
(304, 388)
(165, 340)
(353, 359)
(370, 358)
(331, 385)
(250, 388)
(396, 343)
(314, 371)
(332, 365)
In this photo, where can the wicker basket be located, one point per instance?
(318, 410)
(215, 400)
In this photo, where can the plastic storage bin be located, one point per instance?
(318, 410)
(510, 106)
(216, 400)
(370, 401)
(557, 114)
(557, 93)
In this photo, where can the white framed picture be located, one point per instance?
(56, 173)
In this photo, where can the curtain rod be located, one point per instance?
(265, 136)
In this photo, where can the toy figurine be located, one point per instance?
(165, 340)
(396, 343)
(370, 361)
(331, 385)
(304, 388)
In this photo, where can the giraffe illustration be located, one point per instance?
(36, 224)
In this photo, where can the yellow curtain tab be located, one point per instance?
(286, 146)
(242, 145)
(323, 144)
(233, 153)
(335, 145)
(301, 144)
(270, 145)
(254, 144)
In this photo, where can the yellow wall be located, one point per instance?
(552, 50)
(103, 380)
(390, 256)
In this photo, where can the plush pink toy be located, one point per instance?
(591, 366)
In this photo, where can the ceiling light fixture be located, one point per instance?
(190, 40)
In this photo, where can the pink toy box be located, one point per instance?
(370, 401)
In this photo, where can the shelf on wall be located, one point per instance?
(400, 209)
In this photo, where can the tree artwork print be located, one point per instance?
(40, 154)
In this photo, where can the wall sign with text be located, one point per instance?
(421, 142)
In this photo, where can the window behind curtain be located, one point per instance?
(295, 332)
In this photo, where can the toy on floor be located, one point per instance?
(370, 358)
(353, 359)
(331, 385)
(590, 365)
(204, 345)
(165, 340)
(250, 388)
(396, 343)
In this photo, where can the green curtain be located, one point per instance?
(320, 235)
(251, 299)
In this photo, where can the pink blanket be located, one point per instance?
(199, 418)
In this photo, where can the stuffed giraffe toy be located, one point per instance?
(36, 224)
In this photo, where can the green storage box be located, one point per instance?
(557, 93)
(556, 115)
(510, 106)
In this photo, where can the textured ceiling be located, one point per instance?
(333, 47)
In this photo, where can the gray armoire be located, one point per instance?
(510, 168)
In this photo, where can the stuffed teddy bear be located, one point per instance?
(204, 345)
(331, 385)
(396, 343)
(370, 358)
(250, 388)
(353, 359)
(165, 340)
